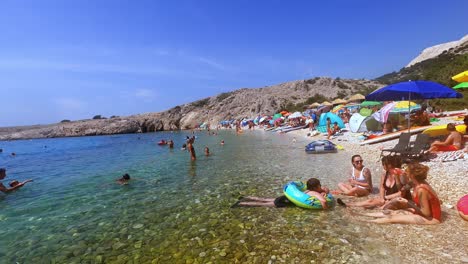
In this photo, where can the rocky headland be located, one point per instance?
(232, 105)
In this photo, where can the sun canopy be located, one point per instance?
(333, 118)
(356, 97)
(402, 107)
(461, 77)
(359, 123)
(326, 103)
(295, 115)
(339, 101)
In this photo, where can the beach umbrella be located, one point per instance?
(412, 90)
(370, 103)
(339, 101)
(382, 114)
(284, 112)
(295, 115)
(337, 108)
(461, 77)
(402, 107)
(326, 103)
(314, 105)
(277, 115)
(461, 85)
(356, 97)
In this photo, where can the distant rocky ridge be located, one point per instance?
(232, 105)
(436, 50)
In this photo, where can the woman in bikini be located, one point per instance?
(360, 183)
(423, 210)
(392, 182)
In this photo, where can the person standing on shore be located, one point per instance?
(14, 186)
(360, 182)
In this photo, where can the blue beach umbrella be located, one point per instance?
(412, 90)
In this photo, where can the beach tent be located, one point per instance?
(359, 123)
(334, 118)
(365, 112)
(461, 77)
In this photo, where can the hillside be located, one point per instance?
(233, 105)
(438, 69)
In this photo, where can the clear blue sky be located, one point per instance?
(75, 59)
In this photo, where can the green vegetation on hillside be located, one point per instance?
(439, 69)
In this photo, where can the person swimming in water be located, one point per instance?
(13, 184)
(124, 179)
(207, 151)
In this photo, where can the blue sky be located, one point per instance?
(76, 59)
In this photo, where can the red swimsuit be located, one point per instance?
(433, 201)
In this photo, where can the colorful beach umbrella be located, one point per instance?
(413, 90)
(370, 103)
(461, 85)
(461, 77)
(382, 115)
(405, 107)
(337, 108)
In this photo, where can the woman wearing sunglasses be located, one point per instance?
(360, 182)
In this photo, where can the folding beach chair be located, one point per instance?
(417, 148)
(400, 147)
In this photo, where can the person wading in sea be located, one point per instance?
(14, 186)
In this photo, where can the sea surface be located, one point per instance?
(173, 210)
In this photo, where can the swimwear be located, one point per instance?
(433, 201)
(360, 179)
(447, 148)
(392, 189)
(282, 201)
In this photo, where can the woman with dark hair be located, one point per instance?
(13, 184)
(423, 210)
(360, 182)
(392, 184)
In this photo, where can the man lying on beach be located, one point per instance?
(360, 181)
(452, 143)
(314, 190)
(13, 184)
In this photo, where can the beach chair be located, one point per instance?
(400, 147)
(417, 148)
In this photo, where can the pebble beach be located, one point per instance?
(444, 243)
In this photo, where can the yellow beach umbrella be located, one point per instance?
(461, 77)
(314, 105)
(339, 101)
(326, 103)
(356, 97)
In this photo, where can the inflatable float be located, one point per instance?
(441, 130)
(294, 191)
(385, 137)
(162, 142)
(321, 146)
(462, 207)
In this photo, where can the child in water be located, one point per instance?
(124, 180)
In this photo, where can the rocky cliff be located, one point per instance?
(232, 105)
(436, 50)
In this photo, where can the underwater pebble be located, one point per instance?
(137, 226)
(202, 254)
(222, 254)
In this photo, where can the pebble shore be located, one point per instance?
(444, 243)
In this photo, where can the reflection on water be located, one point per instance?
(174, 210)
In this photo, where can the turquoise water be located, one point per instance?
(173, 210)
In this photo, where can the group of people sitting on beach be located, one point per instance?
(396, 202)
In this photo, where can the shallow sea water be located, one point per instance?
(173, 210)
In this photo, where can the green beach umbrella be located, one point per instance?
(461, 85)
(370, 103)
(277, 115)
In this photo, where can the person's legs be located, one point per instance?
(344, 187)
(352, 191)
(404, 219)
(258, 199)
(371, 203)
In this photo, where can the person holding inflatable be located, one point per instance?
(360, 182)
(423, 210)
(314, 190)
